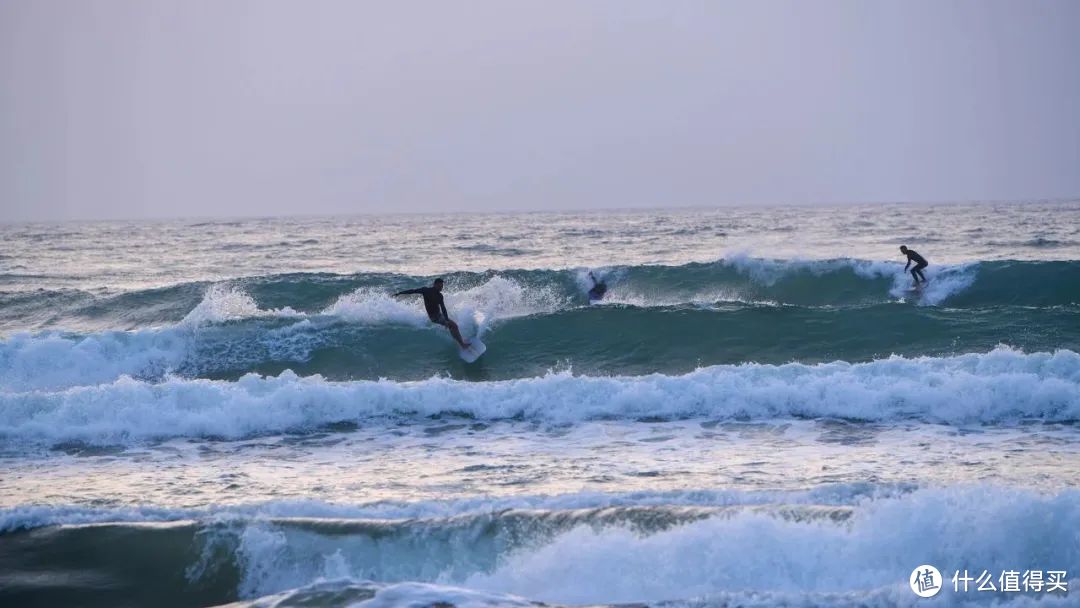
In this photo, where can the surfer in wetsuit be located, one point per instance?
(920, 263)
(599, 288)
(436, 308)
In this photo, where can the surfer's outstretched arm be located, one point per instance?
(409, 291)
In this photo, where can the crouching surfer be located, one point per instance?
(920, 263)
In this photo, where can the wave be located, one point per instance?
(814, 554)
(835, 495)
(1001, 386)
(817, 283)
(367, 334)
(876, 548)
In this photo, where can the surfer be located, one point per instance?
(599, 288)
(436, 308)
(920, 263)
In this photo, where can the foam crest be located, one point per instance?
(375, 307)
(945, 280)
(474, 308)
(54, 360)
(223, 303)
(501, 298)
(1000, 386)
(877, 548)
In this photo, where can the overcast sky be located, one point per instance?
(150, 108)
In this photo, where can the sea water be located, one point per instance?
(759, 413)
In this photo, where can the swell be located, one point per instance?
(820, 283)
(395, 341)
(1000, 387)
(584, 556)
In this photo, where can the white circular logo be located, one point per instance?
(925, 581)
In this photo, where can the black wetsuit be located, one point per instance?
(920, 263)
(599, 288)
(433, 303)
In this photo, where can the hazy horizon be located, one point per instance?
(118, 109)
(300, 215)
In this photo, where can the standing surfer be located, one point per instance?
(436, 308)
(920, 263)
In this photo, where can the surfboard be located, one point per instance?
(471, 354)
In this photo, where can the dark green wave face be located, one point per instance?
(629, 340)
(654, 319)
(826, 283)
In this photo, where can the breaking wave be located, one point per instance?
(656, 320)
(1000, 386)
(857, 551)
(820, 283)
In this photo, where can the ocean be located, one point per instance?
(759, 413)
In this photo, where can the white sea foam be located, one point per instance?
(945, 280)
(223, 302)
(475, 308)
(497, 299)
(376, 307)
(1003, 385)
(57, 360)
(54, 360)
(743, 554)
(975, 529)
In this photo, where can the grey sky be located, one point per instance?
(145, 108)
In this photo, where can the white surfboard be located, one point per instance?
(476, 348)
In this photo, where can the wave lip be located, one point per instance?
(1000, 386)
